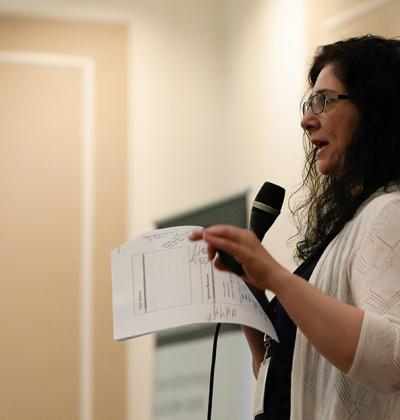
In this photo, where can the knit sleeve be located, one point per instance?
(375, 284)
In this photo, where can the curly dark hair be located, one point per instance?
(369, 68)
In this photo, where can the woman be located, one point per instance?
(346, 359)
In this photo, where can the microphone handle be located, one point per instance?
(230, 262)
(260, 222)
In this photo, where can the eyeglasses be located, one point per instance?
(318, 102)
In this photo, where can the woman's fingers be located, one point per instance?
(233, 240)
(240, 243)
(218, 242)
(196, 235)
(218, 264)
(243, 245)
(232, 233)
(226, 231)
(260, 268)
(211, 251)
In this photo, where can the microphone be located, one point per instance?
(266, 208)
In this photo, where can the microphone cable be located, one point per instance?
(213, 358)
(266, 208)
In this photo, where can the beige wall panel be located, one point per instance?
(349, 18)
(39, 227)
(106, 46)
(318, 12)
(331, 20)
(384, 20)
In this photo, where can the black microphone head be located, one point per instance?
(272, 195)
(266, 208)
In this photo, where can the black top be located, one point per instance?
(278, 382)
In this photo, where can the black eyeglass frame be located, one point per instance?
(308, 103)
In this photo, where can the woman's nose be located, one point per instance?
(310, 121)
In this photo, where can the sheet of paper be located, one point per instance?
(162, 280)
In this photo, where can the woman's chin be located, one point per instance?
(327, 168)
(323, 168)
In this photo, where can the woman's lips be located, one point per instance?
(320, 145)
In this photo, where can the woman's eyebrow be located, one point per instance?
(324, 91)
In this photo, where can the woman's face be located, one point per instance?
(331, 130)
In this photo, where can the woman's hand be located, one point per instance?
(261, 270)
(333, 327)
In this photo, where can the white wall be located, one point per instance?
(264, 70)
(176, 133)
(215, 93)
(177, 127)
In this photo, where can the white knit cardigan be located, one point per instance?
(361, 267)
